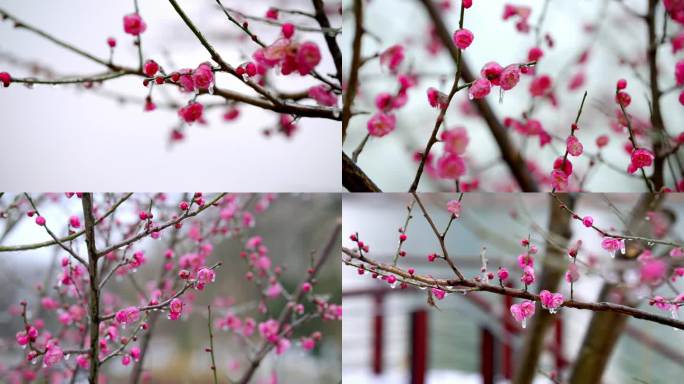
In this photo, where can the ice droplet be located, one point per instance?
(501, 95)
(393, 285)
(422, 287)
(245, 77)
(67, 356)
(331, 32)
(28, 85)
(470, 96)
(674, 313)
(464, 292)
(552, 311)
(524, 323)
(211, 89)
(336, 113)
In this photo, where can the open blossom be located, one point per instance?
(203, 77)
(392, 57)
(527, 277)
(308, 57)
(269, 330)
(502, 273)
(451, 166)
(127, 315)
(53, 355)
(175, 309)
(612, 245)
(381, 124)
(551, 301)
(439, 293)
(492, 71)
(205, 276)
(574, 147)
(479, 89)
(134, 24)
(677, 252)
(510, 77)
(454, 206)
(463, 38)
(323, 95)
(191, 112)
(523, 311)
(455, 140)
(640, 158)
(525, 260)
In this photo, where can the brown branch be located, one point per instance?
(211, 345)
(440, 118)
(656, 116)
(352, 83)
(333, 47)
(354, 179)
(94, 294)
(473, 286)
(440, 237)
(26, 247)
(160, 228)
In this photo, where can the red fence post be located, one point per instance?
(487, 356)
(378, 329)
(558, 339)
(508, 329)
(419, 346)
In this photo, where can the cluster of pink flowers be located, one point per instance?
(494, 74)
(127, 316)
(291, 56)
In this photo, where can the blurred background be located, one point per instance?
(122, 144)
(292, 227)
(393, 336)
(605, 29)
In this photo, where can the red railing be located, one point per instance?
(490, 344)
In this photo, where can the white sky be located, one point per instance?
(58, 138)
